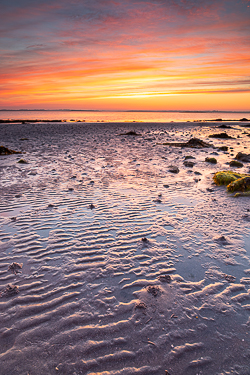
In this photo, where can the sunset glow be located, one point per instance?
(158, 55)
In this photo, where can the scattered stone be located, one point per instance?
(189, 157)
(9, 291)
(173, 169)
(210, 190)
(51, 205)
(32, 173)
(71, 189)
(189, 164)
(158, 200)
(211, 160)
(235, 163)
(22, 161)
(220, 135)
(192, 143)
(13, 219)
(154, 290)
(15, 268)
(165, 278)
(144, 239)
(166, 186)
(243, 157)
(7, 151)
(246, 217)
(198, 173)
(91, 206)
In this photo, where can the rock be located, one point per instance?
(244, 119)
(221, 240)
(243, 157)
(15, 267)
(229, 278)
(131, 133)
(220, 135)
(211, 160)
(7, 151)
(91, 206)
(145, 240)
(223, 148)
(241, 184)
(226, 177)
(192, 143)
(189, 157)
(166, 186)
(224, 126)
(189, 164)
(22, 161)
(173, 169)
(140, 306)
(235, 163)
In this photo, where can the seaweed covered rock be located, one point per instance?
(241, 184)
(211, 160)
(235, 163)
(226, 177)
(7, 151)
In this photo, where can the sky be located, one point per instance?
(125, 54)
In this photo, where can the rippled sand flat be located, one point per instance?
(93, 297)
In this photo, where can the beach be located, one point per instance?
(131, 260)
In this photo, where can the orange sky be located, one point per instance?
(156, 54)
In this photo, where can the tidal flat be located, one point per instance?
(119, 255)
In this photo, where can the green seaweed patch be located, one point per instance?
(235, 163)
(241, 184)
(226, 177)
(211, 160)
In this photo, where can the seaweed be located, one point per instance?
(226, 177)
(235, 163)
(7, 151)
(241, 184)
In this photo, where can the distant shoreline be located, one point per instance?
(132, 110)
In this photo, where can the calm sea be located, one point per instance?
(106, 116)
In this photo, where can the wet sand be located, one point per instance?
(92, 297)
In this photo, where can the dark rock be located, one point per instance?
(211, 160)
(243, 157)
(141, 306)
(221, 240)
(235, 163)
(22, 161)
(220, 135)
(131, 133)
(189, 164)
(189, 157)
(224, 126)
(244, 119)
(91, 206)
(144, 239)
(223, 148)
(7, 151)
(173, 169)
(166, 186)
(229, 278)
(192, 143)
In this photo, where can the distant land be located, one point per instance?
(100, 110)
